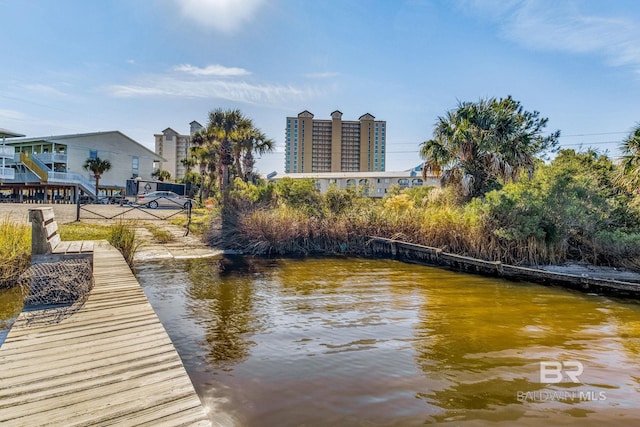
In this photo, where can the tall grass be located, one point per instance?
(123, 237)
(514, 226)
(15, 250)
(83, 231)
(159, 235)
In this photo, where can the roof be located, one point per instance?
(305, 113)
(54, 138)
(6, 133)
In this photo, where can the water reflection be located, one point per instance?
(10, 307)
(361, 342)
(222, 291)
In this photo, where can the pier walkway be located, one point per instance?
(109, 363)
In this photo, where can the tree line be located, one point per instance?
(507, 193)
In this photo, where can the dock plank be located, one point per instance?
(111, 362)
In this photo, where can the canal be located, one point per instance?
(355, 342)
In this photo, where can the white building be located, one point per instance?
(375, 184)
(51, 168)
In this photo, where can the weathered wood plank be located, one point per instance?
(111, 362)
(87, 246)
(74, 246)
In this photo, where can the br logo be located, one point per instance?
(555, 372)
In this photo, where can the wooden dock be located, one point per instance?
(411, 252)
(109, 363)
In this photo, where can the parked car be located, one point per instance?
(164, 198)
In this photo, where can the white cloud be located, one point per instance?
(325, 75)
(212, 70)
(222, 15)
(42, 89)
(12, 115)
(566, 27)
(237, 91)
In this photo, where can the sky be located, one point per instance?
(76, 66)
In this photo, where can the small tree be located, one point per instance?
(97, 166)
(161, 175)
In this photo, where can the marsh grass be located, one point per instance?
(122, 235)
(15, 250)
(521, 224)
(84, 231)
(159, 235)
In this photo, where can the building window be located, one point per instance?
(134, 166)
(93, 154)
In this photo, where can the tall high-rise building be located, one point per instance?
(335, 145)
(175, 148)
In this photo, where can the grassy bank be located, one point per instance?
(15, 250)
(569, 211)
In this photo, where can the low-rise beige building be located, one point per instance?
(175, 148)
(375, 184)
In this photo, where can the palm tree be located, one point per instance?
(480, 145)
(252, 140)
(97, 166)
(204, 152)
(226, 147)
(224, 127)
(628, 174)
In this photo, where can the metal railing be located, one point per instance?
(51, 157)
(26, 177)
(7, 173)
(7, 151)
(42, 165)
(74, 178)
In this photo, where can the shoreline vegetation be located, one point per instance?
(568, 213)
(507, 195)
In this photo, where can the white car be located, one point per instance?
(164, 198)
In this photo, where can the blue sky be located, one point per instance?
(73, 66)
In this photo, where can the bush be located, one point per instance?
(15, 251)
(300, 194)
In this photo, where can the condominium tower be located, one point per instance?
(175, 147)
(335, 145)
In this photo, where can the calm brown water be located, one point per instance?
(351, 342)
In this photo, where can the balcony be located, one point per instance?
(7, 173)
(51, 157)
(7, 151)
